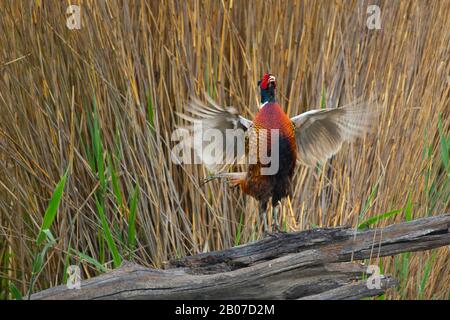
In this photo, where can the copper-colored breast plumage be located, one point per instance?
(277, 186)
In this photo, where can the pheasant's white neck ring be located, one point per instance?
(263, 104)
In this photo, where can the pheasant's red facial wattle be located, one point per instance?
(265, 81)
(267, 85)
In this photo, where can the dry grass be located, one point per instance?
(140, 61)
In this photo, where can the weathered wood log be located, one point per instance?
(353, 291)
(314, 264)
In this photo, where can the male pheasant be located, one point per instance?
(310, 138)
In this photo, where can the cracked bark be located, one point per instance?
(313, 264)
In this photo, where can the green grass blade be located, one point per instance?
(90, 260)
(408, 208)
(404, 272)
(375, 219)
(445, 147)
(323, 104)
(15, 292)
(426, 274)
(52, 209)
(98, 150)
(132, 218)
(115, 183)
(369, 202)
(38, 261)
(108, 235)
(150, 113)
(101, 245)
(237, 239)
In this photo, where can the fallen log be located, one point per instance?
(313, 264)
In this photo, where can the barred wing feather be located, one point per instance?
(319, 134)
(216, 148)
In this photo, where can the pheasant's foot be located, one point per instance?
(276, 227)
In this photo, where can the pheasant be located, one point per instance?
(310, 138)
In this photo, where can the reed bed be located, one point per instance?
(87, 116)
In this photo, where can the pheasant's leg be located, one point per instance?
(275, 227)
(263, 213)
(276, 209)
(266, 227)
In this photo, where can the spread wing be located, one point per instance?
(218, 147)
(319, 134)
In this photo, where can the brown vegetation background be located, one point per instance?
(132, 65)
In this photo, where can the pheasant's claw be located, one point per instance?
(276, 227)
